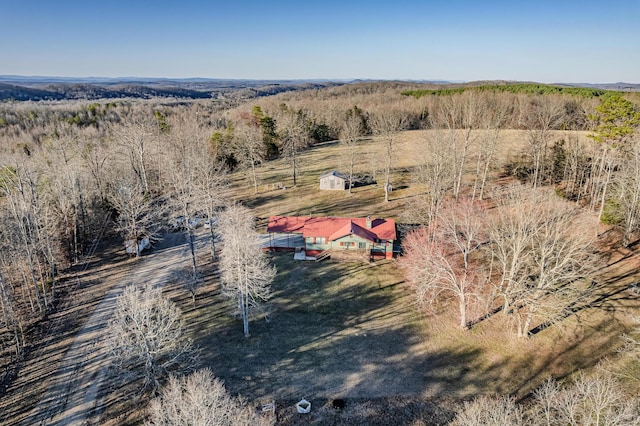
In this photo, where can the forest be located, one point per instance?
(512, 202)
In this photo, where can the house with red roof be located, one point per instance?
(319, 236)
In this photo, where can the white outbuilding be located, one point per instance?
(334, 181)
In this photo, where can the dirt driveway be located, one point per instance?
(71, 397)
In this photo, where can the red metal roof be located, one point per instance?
(333, 228)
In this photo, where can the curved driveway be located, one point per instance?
(72, 394)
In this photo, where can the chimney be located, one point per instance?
(368, 222)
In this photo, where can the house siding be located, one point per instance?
(350, 242)
(332, 182)
(311, 243)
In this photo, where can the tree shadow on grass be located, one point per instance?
(344, 331)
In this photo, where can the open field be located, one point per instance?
(306, 199)
(484, 359)
(315, 346)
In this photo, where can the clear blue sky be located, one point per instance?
(541, 40)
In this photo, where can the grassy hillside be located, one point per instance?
(450, 362)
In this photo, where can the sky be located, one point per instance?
(456, 40)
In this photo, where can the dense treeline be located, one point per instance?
(519, 88)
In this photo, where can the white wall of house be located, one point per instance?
(332, 182)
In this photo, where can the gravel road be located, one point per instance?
(72, 394)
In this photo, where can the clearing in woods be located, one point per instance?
(346, 330)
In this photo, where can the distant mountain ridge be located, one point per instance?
(21, 88)
(45, 88)
(620, 86)
(158, 80)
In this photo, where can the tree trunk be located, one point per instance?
(463, 160)
(293, 154)
(387, 170)
(255, 177)
(604, 197)
(193, 252)
(351, 172)
(244, 312)
(477, 177)
(143, 168)
(213, 239)
(462, 303)
(520, 325)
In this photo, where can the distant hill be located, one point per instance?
(37, 88)
(21, 88)
(621, 86)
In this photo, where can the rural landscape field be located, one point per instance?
(139, 283)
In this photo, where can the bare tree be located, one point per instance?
(245, 271)
(138, 214)
(96, 156)
(146, 336)
(210, 185)
(492, 122)
(490, 411)
(10, 319)
(472, 107)
(293, 129)
(134, 138)
(626, 191)
(351, 130)
(436, 172)
(249, 148)
(460, 116)
(65, 188)
(18, 187)
(463, 224)
(544, 256)
(546, 399)
(589, 400)
(201, 399)
(186, 144)
(545, 113)
(386, 125)
(437, 259)
(628, 370)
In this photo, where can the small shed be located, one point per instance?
(334, 181)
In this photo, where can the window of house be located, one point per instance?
(362, 246)
(313, 240)
(320, 240)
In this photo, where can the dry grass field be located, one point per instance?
(305, 198)
(352, 331)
